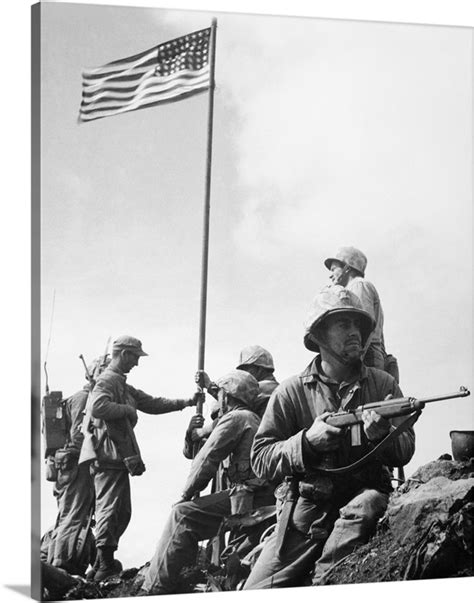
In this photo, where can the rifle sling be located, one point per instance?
(409, 421)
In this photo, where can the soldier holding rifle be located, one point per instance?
(113, 408)
(326, 515)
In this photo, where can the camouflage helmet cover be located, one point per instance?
(352, 257)
(240, 385)
(335, 300)
(255, 354)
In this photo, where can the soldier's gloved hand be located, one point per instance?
(131, 415)
(322, 436)
(195, 422)
(375, 426)
(202, 379)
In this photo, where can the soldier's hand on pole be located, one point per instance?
(195, 399)
(196, 421)
(202, 379)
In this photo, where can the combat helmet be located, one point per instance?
(335, 300)
(240, 385)
(352, 257)
(255, 354)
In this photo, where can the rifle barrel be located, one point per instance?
(462, 393)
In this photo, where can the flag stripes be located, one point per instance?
(166, 73)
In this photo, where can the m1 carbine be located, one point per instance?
(395, 407)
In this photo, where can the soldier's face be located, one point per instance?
(129, 361)
(338, 276)
(344, 336)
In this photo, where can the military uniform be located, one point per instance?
(113, 403)
(74, 492)
(369, 297)
(195, 520)
(351, 257)
(330, 529)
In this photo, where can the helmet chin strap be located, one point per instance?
(341, 359)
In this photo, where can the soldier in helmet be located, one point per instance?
(194, 519)
(114, 405)
(325, 516)
(259, 363)
(254, 360)
(71, 541)
(348, 269)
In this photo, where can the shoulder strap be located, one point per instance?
(409, 421)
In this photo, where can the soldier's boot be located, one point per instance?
(90, 575)
(107, 565)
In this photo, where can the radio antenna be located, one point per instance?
(49, 341)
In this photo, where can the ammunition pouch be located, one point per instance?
(51, 471)
(241, 499)
(65, 462)
(134, 465)
(318, 489)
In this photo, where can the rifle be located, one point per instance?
(396, 407)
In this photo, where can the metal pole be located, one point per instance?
(207, 199)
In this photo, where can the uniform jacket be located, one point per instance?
(231, 437)
(75, 407)
(280, 447)
(369, 297)
(266, 388)
(109, 399)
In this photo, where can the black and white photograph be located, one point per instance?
(251, 289)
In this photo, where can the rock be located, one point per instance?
(413, 512)
(427, 530)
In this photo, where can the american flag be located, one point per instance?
(166, 73)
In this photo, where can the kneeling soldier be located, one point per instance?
(193, 520)
(326, 515)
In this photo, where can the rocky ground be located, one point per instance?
(427, 532)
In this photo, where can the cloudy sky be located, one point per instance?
(326, 133)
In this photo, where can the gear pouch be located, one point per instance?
(241, 499)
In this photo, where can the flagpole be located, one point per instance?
(207, 206)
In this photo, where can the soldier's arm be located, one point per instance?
(158, 405)
(222, 441)
(367, 294)
(279, 446)
(103, 406)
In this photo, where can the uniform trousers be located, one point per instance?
(113, 506)
(319, 535)
(75, 506)
(188, 524)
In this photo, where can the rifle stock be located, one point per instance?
(388, 409)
